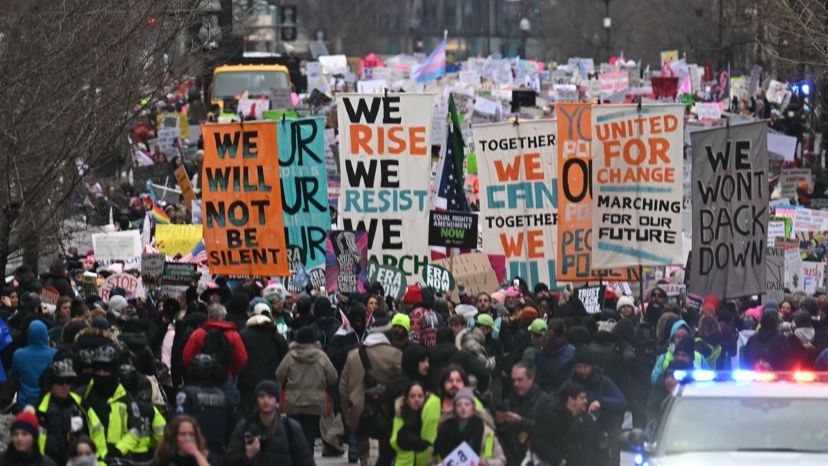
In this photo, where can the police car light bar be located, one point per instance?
(745, 376)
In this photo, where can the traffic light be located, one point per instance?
(287, 23)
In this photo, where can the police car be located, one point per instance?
(738, 418)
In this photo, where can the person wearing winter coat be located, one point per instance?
(57, 278)
(323, 321)
(346, 338)
(445, 353)
(569, 433)
(768, 349)
(136, 342)
(386, 362)
(414, 430)
(266, 348)
(216, 315)
(553, 361)
(23, 449)
(708, 342)
(801, 343)
(516, 418)
(266, 437)
(472, 426)
(749, 324)
(604, 400)
(679, 331)
(305, 375)
(473, 340)
(29, 363)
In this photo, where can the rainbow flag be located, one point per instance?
(157, 213)
(434, 67)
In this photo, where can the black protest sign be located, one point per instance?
(157, 174)
(730, 211)
(179, 273)
(593, 298)
(452, 230)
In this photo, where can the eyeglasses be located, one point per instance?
(64, 381)
(659, 296)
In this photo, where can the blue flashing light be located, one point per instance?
(679, 375)
(806, 89)
(704, 376)
(744, 376)
(638, 459)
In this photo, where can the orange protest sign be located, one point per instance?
(184, 183)
(244, 231)
(575, 199)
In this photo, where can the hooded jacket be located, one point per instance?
(410, 430)
(472, 341)
(665, 359)
(305, 374)
(445, 354)
(238, 355)
(323, 321)
(603, 390)
(386, 362)
(29, 363)
(265, 351)
(770, 346)
(554, 364)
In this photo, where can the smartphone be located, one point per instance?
(516, 283)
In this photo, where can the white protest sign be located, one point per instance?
(791, 178)
(166, 139)
(776, 92)
(131, 284)
(783, 145)
(805, 220)
(120, 245)
(469, 77)
(463, 455)
(374, 86)
(253, 107)
(673, 289)
(709, 111)
(614, 82)
(486, 106)
(196, 211)
(775, 274)
(775, 228)
(152, 264)
(281, 98)
(812, 277)
(334, 64)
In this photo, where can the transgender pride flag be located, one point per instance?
(435, 65)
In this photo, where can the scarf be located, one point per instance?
(449, 436)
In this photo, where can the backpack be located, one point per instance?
(375, 420)
(217, 345)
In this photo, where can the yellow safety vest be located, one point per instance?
(96, 432)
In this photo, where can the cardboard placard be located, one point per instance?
(346, 262)
(49, 295)
(593, 298)
(184, 184)
(131, 284)
(119, 245)
(152, 264)
(473, 270)
(177, 239)
(157, 174)
(452, 229)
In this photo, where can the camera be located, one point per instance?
(250, 438)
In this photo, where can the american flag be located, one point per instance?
(449, 193)
(198, 254)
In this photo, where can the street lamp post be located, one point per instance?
(525, 26)
(608, 27)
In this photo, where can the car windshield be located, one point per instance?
(229, 84)
(745, 424)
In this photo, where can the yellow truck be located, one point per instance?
(231, 81)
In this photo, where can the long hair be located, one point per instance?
(166, 447)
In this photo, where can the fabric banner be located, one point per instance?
(304, 194)
(517, 170)
(177, 239)
(115, 246)
(346, 262)
(385, 159)
(244, 231)
(730, 211)
(637, 157)
(574, 253)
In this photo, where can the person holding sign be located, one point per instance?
(472, 426)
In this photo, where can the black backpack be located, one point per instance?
(217, 345)
(375, 420)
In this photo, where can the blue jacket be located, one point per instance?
(29, 363)
(554, 367)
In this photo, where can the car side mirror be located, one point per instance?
(632, 440)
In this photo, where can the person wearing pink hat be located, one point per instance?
(749, 323)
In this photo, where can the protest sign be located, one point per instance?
(254, 108)
(730, 210)
(334, 64)
(793, 269)
(244, 231)
(167, 141)
(346, 262)
(184, 184)
(452, 230)
(785, 243)
(674, 289)
(115, 246)
(131, 284)
(391, 278)
(566, 93)
(669, 56)
(331, 152)
(304, 195)
(775, 274)
(792, 178)
(776, 92)
(775, 228)
(195, 207)
(516, 167)
(637, 158)
(474, 270)
(49, 295)
(174, 120)
(809, 220)
(575, 199)
(665, 88)
(157, 174)
(438, 278)
(152, 264)
(463, 455)
(281, 98)
(613, 82)
(709, 111)
(812, 276)
(373, 86)
(593, 298)
(180, 274)
(782, 145)
(385, 154)
(177, 239)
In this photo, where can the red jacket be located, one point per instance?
(196, 340)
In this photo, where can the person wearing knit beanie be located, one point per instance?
(464, 394)
(413, 295)
(710, 299)
(625, 306)
(24, 449)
